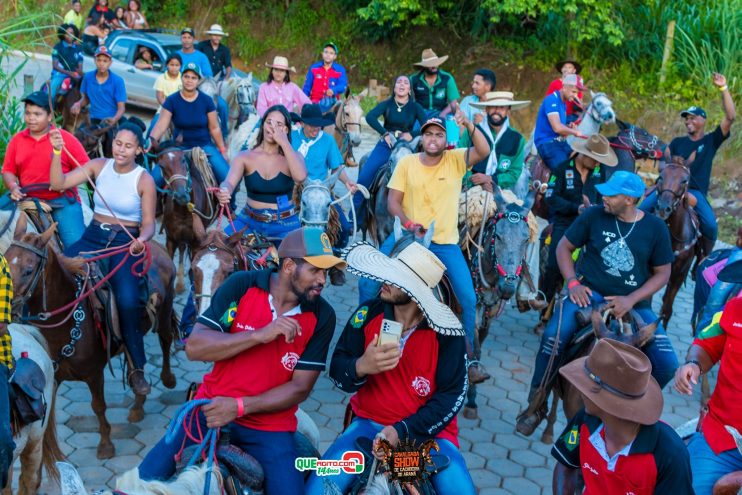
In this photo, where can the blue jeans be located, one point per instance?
(70, 222)
(455, 479)
(709, 227)
(707, 467)
(554, 153)
(7, 445)
(458, 274)
(659, 351)
(222, 109)
(378, 158)
(274, 450)
(326, 103)
(273, 230)
(55, 82)
(124, 284)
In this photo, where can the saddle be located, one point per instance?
(26, 392)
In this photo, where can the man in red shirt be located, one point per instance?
(267, 333)
(409, 387)
(713, 449)
(326, 80)
(565, 67)
(616, 441)
(26, 167)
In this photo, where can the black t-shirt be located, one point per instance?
(396, 118)
(613, 266)
(564, 195)
(219, 59)
(705, 148)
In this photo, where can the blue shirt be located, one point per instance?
(198, 58)
(320, 156)
(104, 98)
(190, 118)
(551, 104)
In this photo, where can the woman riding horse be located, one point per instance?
(270, 170)
(125, 198)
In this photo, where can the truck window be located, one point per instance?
(120, 50)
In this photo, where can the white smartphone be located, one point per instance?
(391, 332)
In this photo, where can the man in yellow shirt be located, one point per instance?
(425, 188)
(73, 16)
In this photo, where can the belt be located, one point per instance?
(270, 217)
(114, 227)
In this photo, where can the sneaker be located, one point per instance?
(138, 383)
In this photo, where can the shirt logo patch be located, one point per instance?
(228, 316)
(421, 385)
(505, 164)
(700, 148)
(359, 317)
(289, 360)
(569, 174)
(571, 438)
(588, 467)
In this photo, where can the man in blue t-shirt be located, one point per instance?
(699, 149)
(103, 90)
(551, 124)
(321, 153)
(66, 58)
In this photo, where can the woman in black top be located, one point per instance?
(400, 113)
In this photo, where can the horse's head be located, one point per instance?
(27, 257)
(642, 144)
(601, 108)
(400, 149)
(349, 116)
(246, 97)
(672, 186)
(622, 330)
(403, 238)
(505, 239)
(175, 167)
(316, 197)
(91, 137)
(214, 260)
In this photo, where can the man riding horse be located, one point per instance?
(410, 386)
(7, 445)
(66, 59)
(326, 80)
(625, 259)
(103, 90)
(699, 150)
(267, 334)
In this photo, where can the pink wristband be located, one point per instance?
(240, 407)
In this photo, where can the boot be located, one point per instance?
(707, 245)
(527, 421)
(138, 383)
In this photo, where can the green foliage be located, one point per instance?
(368, 103)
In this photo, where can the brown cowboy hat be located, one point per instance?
(559, 65)
(430, 59)
(617, 378)
(597, 147)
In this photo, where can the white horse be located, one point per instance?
(240, 93)
(35, 443)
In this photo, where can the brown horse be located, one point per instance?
(79, 344)
(63, 105)
(347, 129)
(580, 346)
(185, 196)
(681, 219)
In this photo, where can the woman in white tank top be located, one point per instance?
(130, 197)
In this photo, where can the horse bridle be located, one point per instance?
(43, 254)
(512, 217)
(649, 150)
(677, 196)
(169, 180)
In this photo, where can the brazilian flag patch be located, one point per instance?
(571, 439)
(228, 316)
(359, 317)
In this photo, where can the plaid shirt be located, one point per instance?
(6, 296)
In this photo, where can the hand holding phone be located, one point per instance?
(391, 332)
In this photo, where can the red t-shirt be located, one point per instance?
(241, 305)
(722, 340)
(29, 159)
(556, 85)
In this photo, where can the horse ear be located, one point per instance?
(397, 229)
(415, 143)
(499, 200)
(592, 94)
(601, 331)
(20, 227)
(198, 228)
(347, 92)
(46, 236)
(428, 238)
(235, 238)
(332, 179)
(528, 202)
(249, 77)
(646, 333)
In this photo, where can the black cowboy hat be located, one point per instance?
(559, 65)
(732, 272)
(312, 115)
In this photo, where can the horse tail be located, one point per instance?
(51, 453)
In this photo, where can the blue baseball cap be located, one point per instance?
(622, 182)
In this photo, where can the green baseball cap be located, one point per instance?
(312, 245)
(332, 45)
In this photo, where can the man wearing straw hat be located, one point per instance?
(505, 162)
(617, 442)
(217, 52)
(434, 88)
(411, 385)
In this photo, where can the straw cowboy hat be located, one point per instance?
(596, 147)
(280, 63)
(617, 378)
(217, 30)
(415, 271)
(501, 99)
(430, 59)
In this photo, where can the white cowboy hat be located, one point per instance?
(430, 59)
(280, 63)
(501, 99)
(216, 29)
(415, 271)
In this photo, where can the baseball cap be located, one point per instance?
(622, 182)
(312, 245)
(38, 98)
(187, 30)
(434, 121)
(193, 67)
(102, 50)
(573, 80)
(332, 45)
(694, 110)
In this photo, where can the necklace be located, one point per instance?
(622, 238)
(411, 329)
(399, 107)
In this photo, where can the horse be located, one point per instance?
(379, 223)
(347, 128)
(632, 331)
(63, 105)
(598, 112)
(634, 143)
(79, 347)
(498, 268)
(95, 138)
(314, 200)
(240, 93)
(682, 221)
(187, 176)
(35, 443)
